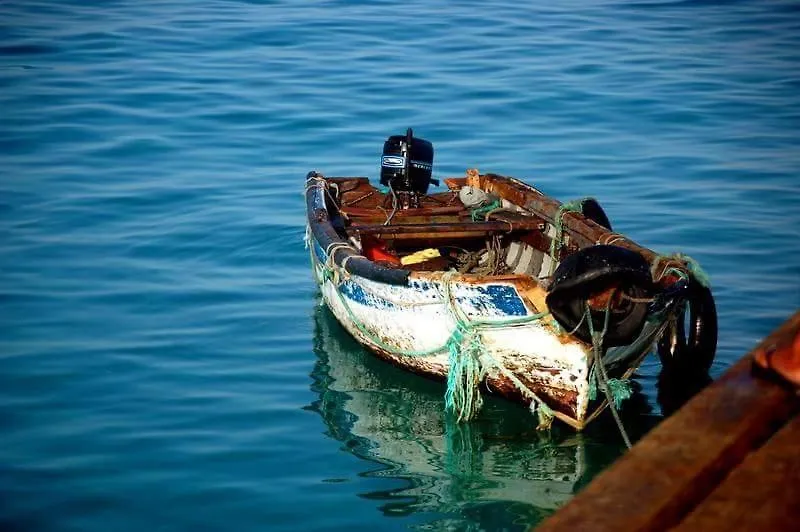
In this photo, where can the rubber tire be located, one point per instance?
(592, 210)
(590, 271)
(695, 351)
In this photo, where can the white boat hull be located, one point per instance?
(417, 318)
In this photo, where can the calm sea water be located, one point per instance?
(164, 362)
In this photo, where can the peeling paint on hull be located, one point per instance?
(391, 310)
(416, 318)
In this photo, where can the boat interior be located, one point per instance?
(440, 232)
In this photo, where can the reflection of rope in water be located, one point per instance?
(469, 360)
(448, 465)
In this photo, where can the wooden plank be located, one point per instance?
(666, 474)
(763, 493)
(433, 238)
(453, 227)
(374, 212)
(582, 231)
(455, 183)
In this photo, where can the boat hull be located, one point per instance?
(498, 330)
(522, 362)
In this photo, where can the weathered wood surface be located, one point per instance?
(583, 232)
(704, 461)
(762, 494)
(452, 227)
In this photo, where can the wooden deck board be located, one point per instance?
(668, 473)
(763, 493)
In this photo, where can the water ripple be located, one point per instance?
(164, 360)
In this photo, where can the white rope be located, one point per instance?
(321, 183)
(330, 262)
(610, 238)
(394, 205)
(347, 258)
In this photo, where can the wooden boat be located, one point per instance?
(497, 288)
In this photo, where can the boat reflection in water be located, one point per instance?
(385, 415)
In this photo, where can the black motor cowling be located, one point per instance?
(407, 163)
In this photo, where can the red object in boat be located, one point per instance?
(376, 251)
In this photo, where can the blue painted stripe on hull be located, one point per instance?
(491, 298)
(502, 297)
(355, 292)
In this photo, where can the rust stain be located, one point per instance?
(609, 298)
(441, 217)
(560, 400)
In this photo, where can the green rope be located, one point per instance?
(604, 384)
(545, 414)
(620, 390)
(695, 271)
(462, 397)
(465, 348)
(558, 222)
(592, 385)
(480, 212)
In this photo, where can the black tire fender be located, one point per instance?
(695, 348)
(591, 271)
(592, 210)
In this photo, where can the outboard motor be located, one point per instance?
(406, 168)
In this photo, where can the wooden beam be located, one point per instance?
(366, 212)
(582, 231)
(677, 465)
(762, 494)
(444, 228)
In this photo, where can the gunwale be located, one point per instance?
(580, 232)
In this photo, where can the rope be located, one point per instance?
(558, 222)
(331, 271)
(319, 182)
(610, 238)
(463, 397)
(693, 269)
(473, 360)
(480, 212)
(696, 270)
(468, 357)
(360, 198)
(394, 206)
(347, 258)
(597, 346)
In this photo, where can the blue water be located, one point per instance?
(164, 363)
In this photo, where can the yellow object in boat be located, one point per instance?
(420, 256)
